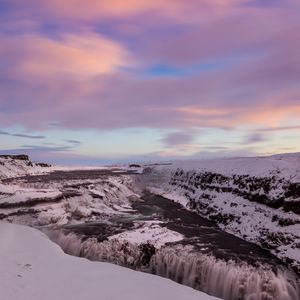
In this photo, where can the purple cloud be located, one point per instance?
(22, 135)
(281, 128)
(179, 138)
(254, 138)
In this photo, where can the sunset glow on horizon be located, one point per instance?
(88, 82)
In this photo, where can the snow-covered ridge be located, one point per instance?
(256, 198)
(285, 166)
(20, 165)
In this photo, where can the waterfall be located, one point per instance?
(120, 253)
(228, 280)
(225, 279)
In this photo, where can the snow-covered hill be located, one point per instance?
(255, 198)
(32, 267)
(20, 165)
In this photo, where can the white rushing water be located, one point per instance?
(225, 279)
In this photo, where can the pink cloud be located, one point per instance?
(127, 102)
(83, 55)
(76, 78)
(115, 8)
(242, 31)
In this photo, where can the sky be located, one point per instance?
(92, 82)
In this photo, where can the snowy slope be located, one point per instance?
(285, 166)
(256, 198)
(13, 195)
(35, 269)
(11, 167)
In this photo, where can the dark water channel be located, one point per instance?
(202, 234)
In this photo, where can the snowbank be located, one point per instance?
(34, 268)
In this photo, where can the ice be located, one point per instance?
(150, 233)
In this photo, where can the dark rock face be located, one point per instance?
(273, 240)
(264, 210)
(24, 157)
(147, 251)
(32, 202)
(293, 191)
(272, 191)
(134, 166)
(17, 157)
(43, 165)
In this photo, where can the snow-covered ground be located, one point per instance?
(10, 167)
(34, 268)
(150, 233)
(59, 203)
(16, 196)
